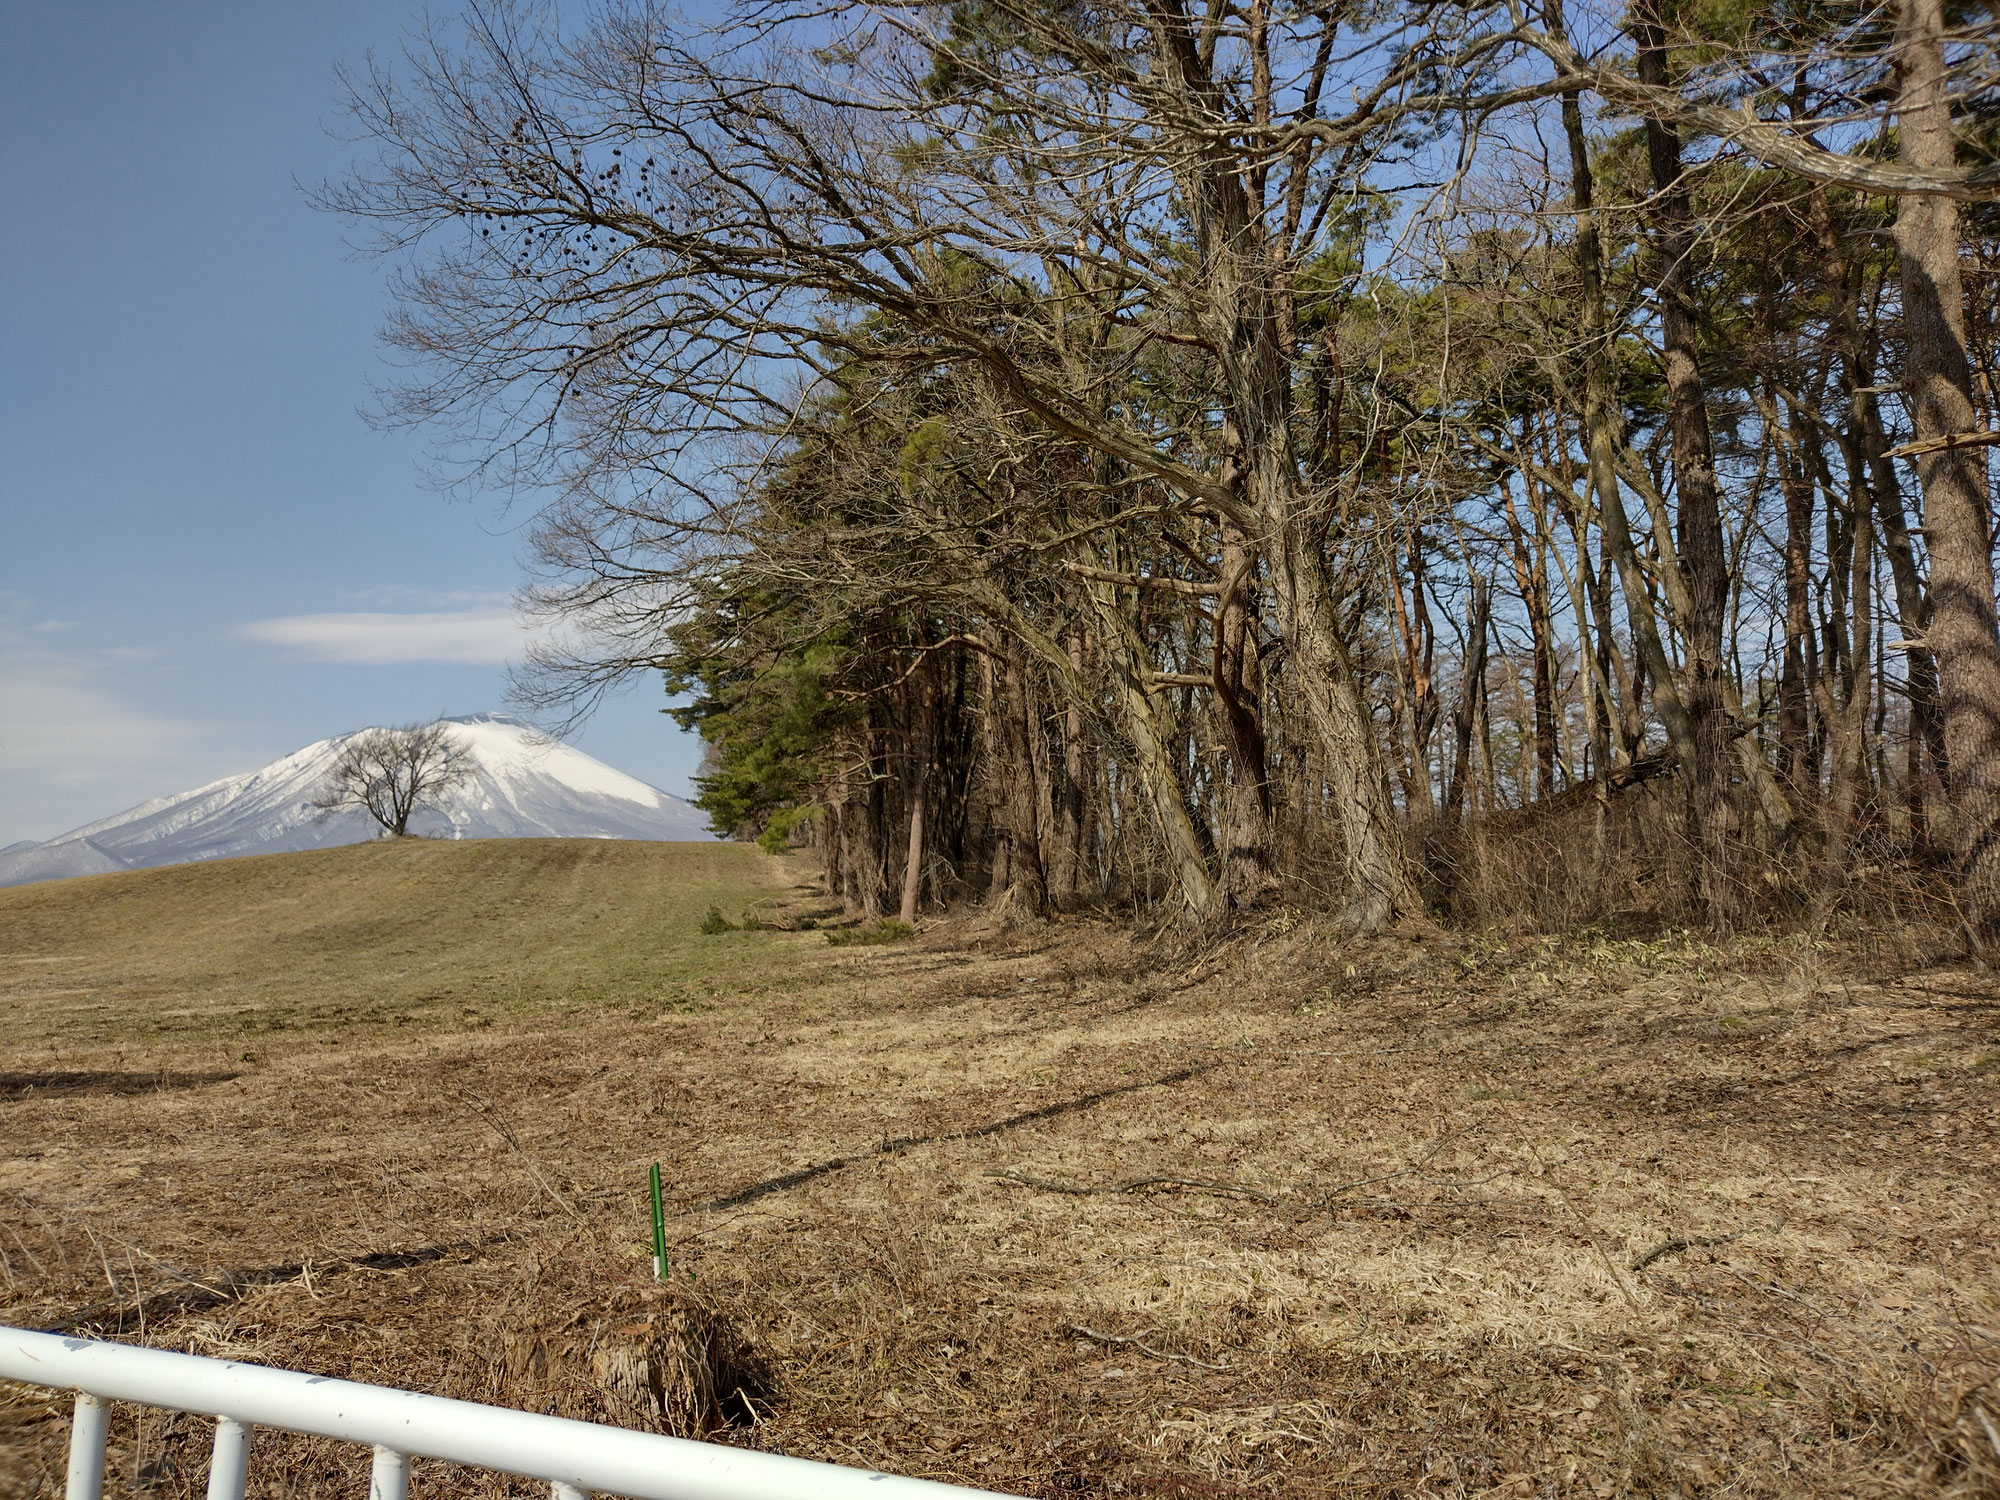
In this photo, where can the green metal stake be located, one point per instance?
(659, 1229)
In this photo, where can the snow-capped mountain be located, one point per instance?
(524, 785)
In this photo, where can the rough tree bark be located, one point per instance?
(1124, 663)
(1704, 559)
(1019, 882)
(1246, 832)
(1531, 581)
(1249, 328)
(924, 741)
(1417, 690)
(1066, 871)
(1797, 762)
(1937, 389)
(1869, 448)
(1466, 714)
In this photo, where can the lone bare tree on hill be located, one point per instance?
(394, 773)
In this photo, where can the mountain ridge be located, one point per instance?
(525, 784)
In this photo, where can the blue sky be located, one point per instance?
(199, 533)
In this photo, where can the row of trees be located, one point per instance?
(1435, 455)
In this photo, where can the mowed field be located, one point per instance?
(1052, 1210)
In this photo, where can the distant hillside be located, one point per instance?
(525, 785)
(396, 930)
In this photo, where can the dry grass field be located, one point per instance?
(1050, 1210)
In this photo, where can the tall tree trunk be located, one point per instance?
(1609, 674)
(1043, 784)
(924, 741)
(844, 875)
(1592, 663)
(1870, 445)
(1250, 328)
(834, 850)
(1703, 555)
(1416, 683)
(1471, 691)
(1771, 800)
(1246, 814)
(1159, 779)
(913, 866)
(1601, 443)
(1531, 580)
(873, 864)
(1380, 882)
(1066, 870)
(1026, 889)
(1937, 387)
(1795, 685)
(1847, 724)
(995, 769)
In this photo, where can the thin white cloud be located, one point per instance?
(69, 731)
(397, 596)
(72, 746)
(469, 637)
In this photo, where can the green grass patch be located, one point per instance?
(391, 933)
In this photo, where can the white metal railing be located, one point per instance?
(574, 1458)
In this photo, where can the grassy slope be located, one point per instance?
(1397, 1190)
(419, 931)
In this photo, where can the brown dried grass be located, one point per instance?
(1411, 1178)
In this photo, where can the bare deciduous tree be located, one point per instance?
(1049, 441)
(393, 774)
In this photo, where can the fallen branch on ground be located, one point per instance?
(1417, 1171)
(1237, 1190)
(1414, 1169)
(1135, 1185)
(1143, 1348)
(904, 1142)
(232, 1286)
(1677, 1243)
(486, 1110)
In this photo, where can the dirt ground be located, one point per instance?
(1062, 1210)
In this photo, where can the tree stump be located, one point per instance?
(655, 1360)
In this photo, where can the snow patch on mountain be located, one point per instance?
(524, 785)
